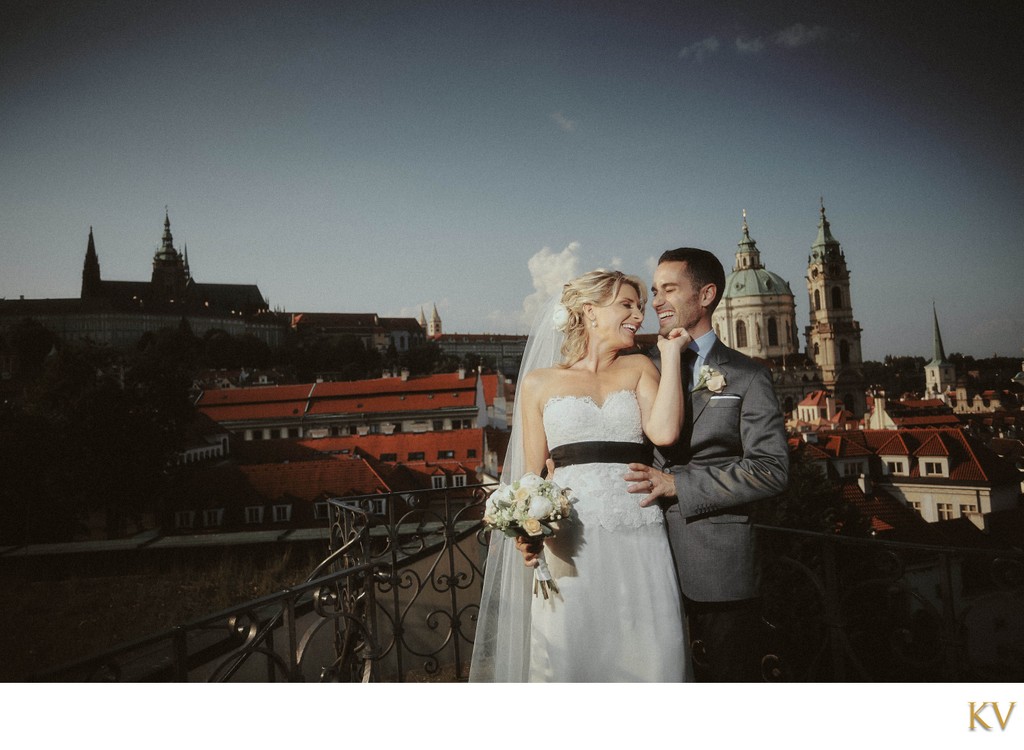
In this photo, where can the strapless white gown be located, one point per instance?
(617, 617)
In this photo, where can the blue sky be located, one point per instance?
(383, 156)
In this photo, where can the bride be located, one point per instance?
(617, 616)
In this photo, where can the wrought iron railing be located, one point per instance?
(396, 600)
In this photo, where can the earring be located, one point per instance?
(593, 324)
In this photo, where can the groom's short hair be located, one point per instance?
(704, 268)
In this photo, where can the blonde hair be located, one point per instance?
(599, 288)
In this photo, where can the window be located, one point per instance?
(817, 350)
(931, 468)
(967, 508)
(741, 334)
(282, 513)
(895, 467)
(184, 519)
(844, 352)
(438, 425)
(471, 453)
(467, 424)
(945, 511)
(837, 297)
(389, 457)
(853, 469)
(459, 480)
(438, 482)
(446, 454)
(914, 505)
(416, 456)
(213, 517)
(320, 511)
(254, 514)
(773, 332)
(817, 299)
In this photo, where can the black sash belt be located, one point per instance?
(602, 452)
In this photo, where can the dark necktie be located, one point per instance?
(680, 452)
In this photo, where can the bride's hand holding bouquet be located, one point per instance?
(529, 510)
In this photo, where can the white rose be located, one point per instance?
(540, 507)
(530, 481)
(560, 318)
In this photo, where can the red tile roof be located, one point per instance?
(969, 459)
(381, 395)
(461, 442)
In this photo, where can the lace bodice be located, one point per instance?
(576, 419)
(600, 487)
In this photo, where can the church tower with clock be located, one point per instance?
(833, 336)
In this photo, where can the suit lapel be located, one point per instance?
(716, 358)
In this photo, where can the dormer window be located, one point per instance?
(438, 482)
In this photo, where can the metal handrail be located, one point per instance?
(398, 592)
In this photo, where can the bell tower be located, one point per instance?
(170, 276)
(939, 374)
(833, 337)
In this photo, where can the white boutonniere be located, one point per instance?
(710, 378)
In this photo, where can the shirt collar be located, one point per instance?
(703, 344)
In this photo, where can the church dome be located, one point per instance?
(755, 282)
(749, 278)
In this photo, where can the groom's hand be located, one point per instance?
(651, 483)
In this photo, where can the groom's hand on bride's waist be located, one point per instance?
(654, 485)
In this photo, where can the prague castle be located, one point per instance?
(119, 313)
(757, 316)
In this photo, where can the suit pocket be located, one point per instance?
(724, 403)
(729, 518)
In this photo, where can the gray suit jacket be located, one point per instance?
(735, 456)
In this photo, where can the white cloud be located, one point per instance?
(749, 46)
(569, 126)
(699, 50)
(616, 264)
(799, 35)
(548, 272)
(651, 264)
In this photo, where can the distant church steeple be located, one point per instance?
(434, 327)
(939, 374)
(833, 337)
(170, 276)
(748, 256)
(92, 285)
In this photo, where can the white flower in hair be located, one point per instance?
(560, 317)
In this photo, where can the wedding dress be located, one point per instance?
(617, 616)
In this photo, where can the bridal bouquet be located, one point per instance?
(530, 507)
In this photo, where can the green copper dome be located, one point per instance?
(749, 278)
(755, 282)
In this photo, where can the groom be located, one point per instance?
(732, 453)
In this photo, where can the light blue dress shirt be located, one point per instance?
(702, 346)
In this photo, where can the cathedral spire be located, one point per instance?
(825, 246)
(939, 353)
(91, 284)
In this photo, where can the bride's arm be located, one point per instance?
(535, 443)
(661, 397)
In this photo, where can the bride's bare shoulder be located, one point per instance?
(541, 380)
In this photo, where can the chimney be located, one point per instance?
(405, 373)
(462, 373)
(864, 482)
